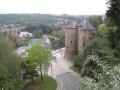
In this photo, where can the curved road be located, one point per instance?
(66, 78)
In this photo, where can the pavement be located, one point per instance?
(60, 70)
(70, 81)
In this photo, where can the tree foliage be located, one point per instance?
(113, 13)
(5, 81)
(29, 70)
(58, 40)
(108, 79)
(91, 68)
(41, 56)
(11, 64)
(102, 30)
(95, 20)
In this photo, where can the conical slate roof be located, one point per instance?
(85, 25)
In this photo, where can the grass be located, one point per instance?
(75, 69)
(48, 84)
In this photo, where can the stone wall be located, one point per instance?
(84, 37)
(70, 41)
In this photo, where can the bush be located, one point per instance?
(78, 61)
(108, 79)
(88, 84)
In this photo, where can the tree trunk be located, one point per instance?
(32, 78)
(1, 88)
(41, 73)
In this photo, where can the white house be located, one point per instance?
(25, 34)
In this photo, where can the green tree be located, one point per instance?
(37, 33)
(95, 45)
(59, 40)
(102, 30)
(5, 82)
(29, 70)
(23, 42)
(107, 53)
(11, 62)
(113, 15)
(95, 20)
(41, 56)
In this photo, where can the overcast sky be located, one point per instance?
(73, 7)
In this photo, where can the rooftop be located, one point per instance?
(70, 26)
(83, 25)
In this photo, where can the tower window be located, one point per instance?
(84, 41)
(71, 41)
(83, 44)
(93, 34)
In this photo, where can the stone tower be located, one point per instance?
(77, 37)
(86, 32)
(70, 40)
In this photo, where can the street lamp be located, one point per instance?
(51, 69)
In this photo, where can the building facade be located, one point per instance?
(77, 37)
(11, 30)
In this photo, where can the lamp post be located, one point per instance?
(51, 69)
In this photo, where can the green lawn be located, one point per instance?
(48, 84)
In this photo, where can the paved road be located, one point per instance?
(66, 79)
(70, 81)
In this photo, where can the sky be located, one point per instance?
(72, 7)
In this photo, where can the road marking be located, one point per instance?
(61, 84)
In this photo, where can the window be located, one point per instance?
(93, 34)
(71, 41)
(84, 41)
(83, 44)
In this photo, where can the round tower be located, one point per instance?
(70, 40)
